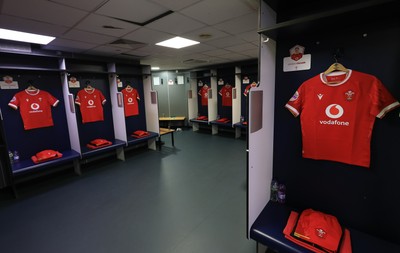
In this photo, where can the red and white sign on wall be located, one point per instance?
(297, 60)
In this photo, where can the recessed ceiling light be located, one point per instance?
(177, 42)
(25, 37)
(155, 68)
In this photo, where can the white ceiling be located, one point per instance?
(78, 26)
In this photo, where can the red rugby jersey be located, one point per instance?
(91, 103)
(226, 93)
(337, 114)
(131, 105)
(203, 92)
(35, 108)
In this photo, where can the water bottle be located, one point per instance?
(16, 156)
(281, 193)
(274, 190)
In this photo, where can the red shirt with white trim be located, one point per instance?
(91, 103)
(226, 93)
(203, 92)
(131, 105)
(35, 108)
(337, 114)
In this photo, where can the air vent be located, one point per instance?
(128, 43)
(111, 27)
(194, 61)
(132, 55)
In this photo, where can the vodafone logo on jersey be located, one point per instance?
(35, 108)
(90, 103)
(334, 112)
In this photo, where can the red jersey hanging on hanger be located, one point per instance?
(91, 103)
(226, 93)
(131, 99)
(35, 107)
(337, 114)
(203, 92)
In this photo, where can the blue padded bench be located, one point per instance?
(268, 227)
(25, 169)
(87, 152)
(25, 166)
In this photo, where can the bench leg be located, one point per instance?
(214, 129)
(151, 144)
(261, 248)
(195, 126)
(120, 154)
(77, 167)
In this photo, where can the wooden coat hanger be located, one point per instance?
(31, 87)
(336, 66)
(88, 86)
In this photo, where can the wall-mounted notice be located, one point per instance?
(73, 82)
(8, 83)
(181, 80)
(156, 80)
(297, 60)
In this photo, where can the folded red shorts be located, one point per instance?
(318, 232)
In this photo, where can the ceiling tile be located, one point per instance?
(252, 53)
(212, 12)
(251, 36)
(88, 37)
(95, 23)
(226, 42)
(240, 24)
(68, 45)
(137, 53)
(43, 11)
(175, 5)
(241, 47)
(148, 36)
(175, 24)
(235, 57)
(138, 11)
(31, 26)
(208, 30)
(108, 49)
(217, 52)
(87, 5)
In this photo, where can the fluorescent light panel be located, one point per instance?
(155, 68)
(25, 37)
(177, 42)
